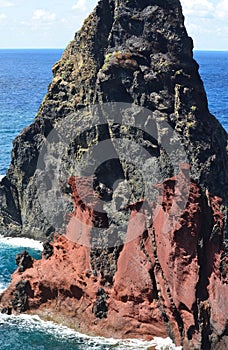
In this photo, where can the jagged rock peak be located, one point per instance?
(135, 52)
(128, 265)
(148, 35)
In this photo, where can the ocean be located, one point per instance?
(24, 77)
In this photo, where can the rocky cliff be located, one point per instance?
(137, 52)
(125, 159)
(157, 283)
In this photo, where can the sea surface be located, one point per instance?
(24, 78)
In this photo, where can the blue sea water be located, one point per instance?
(214, 73)
(24, 77)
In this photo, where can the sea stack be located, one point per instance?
(125, 172)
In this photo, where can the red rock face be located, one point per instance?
(170, 279)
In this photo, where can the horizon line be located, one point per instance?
(32, 48)
(62, 48)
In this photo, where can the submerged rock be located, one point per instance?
(126, 161)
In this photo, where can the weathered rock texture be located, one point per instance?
(165, 284)
(133, 274)
(127, 51)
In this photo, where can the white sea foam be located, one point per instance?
(34, 323)
(21, 242)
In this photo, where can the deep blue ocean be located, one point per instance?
(24, 77)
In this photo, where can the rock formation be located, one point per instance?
(131, 264)
(135, 52)
(172, 284)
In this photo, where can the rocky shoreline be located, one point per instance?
(164, 284)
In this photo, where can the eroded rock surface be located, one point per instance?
(167, 280)
(129, 264)
(135, 52)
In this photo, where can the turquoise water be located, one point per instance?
(24, 77)
(7, 260)
(30, 332)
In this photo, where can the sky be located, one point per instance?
(52, 23)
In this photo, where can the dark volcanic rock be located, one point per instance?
(136, 52)
(164, 283)
(100, 307)
(7, 311)
(24, 261)
(47, 249)
(20, 296)
(144, 252)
